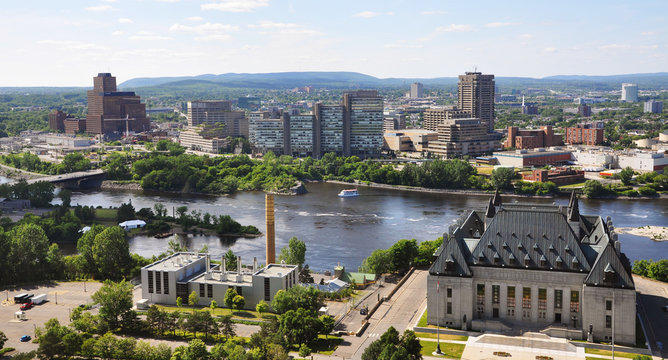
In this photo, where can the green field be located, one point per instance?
(450, 351)
(243, 314)
(442, 336)
(609, 353)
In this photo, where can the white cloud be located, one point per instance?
(434, 12)
(148, 36)
(117, 33)
(455, 28)
(648, 33)
(125, 21)
(72, 45)
(550, 50)
(283, 28)
(526, 36)
(109, 1)
(402, 44)
(235, 5)
(194, 18)
(99, 8)
(207, 31)
(498, 24)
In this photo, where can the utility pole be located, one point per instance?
(438, 321)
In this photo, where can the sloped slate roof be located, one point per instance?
(452, 251)
(543, 233)
(609, 262)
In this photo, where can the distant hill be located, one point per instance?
(343, 80)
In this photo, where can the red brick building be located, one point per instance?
(74, 126)
(56, 118)
(584, 134)
(559, 176)
(532, 138)
(112, 111)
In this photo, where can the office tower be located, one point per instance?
(459, 137)
(112, 111)
(432, 118)
(584, 110)
(476, 96)
(56, 120)
(652, 106)
(629, 92)
(268, 133)
(212, 112)
(417, 90)
(301, 135)
(363, 123)
(328, 128)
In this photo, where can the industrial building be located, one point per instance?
(543, 268)
(182, 273)
(534, 157)
(212, 112)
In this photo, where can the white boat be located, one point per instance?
(349, 193)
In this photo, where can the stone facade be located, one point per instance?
(533, 267)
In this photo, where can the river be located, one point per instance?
(345, 231)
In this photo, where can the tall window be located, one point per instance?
(165, 282)
(496, 294)
(575, 301)
(267, 293)
(511, 297)
(481, 294)
(542, 299)
(209, 290)
(558, 298)
(449, 308)
(158, 286)
(449, 291)
(608, 305)
(526, 298)
(201, 291)
(608, 321)
(150, 282)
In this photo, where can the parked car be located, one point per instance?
(665, 308)
(27, 306)
(364, 311)
(25, 338)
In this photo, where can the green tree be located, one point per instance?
(641, 267)
(29, 249)
(658, 270)
(379, 262)
(502, 177)
(304, 350)
(179, 301)
(294, 253)
(299, 326)
(226, 326)
(262, 307)
(193, 299)
(626, 176)
(403, 253)
(326, 324)
(238, 302)
(3, 339)
(115, 301)
(111, 253)
(593, 189)
(229, 297)
(66, 196)
(213, 305)
(230, 261)
(160, 210)
(125, 212)
(74, 162)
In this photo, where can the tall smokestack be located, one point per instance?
(271, 241)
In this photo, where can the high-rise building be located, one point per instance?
(269, 133)
(652, 106)
(432, 118)
(56, 120)
(584, 110)
(211, 112)
(328, 128)
(459, 137)
(629, 92)
(417, 90)
(112, 111)
(363, 123)
(476, 96)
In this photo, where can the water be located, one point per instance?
(346, 231)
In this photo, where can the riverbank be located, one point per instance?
(18, 174)
(476, 192)
(656, 233)
(120, 185)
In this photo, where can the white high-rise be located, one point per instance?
(417, 90)
(629, 92)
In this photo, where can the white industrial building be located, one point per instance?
(182, 273)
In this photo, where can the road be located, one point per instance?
(652, 297)
(399, 312)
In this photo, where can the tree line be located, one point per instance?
(72, 162)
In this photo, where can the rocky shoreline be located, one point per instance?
(656, 233)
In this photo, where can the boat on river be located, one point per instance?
(349, 193)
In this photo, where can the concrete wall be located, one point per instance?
(594, 313)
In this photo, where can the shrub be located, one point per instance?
(646, 191)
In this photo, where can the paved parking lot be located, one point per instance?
(62, 298)
(652, 297)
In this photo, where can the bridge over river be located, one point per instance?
(75, 180)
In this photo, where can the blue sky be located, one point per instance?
(65, 43)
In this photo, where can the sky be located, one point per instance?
(66, 43)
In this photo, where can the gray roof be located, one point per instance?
(535, 237)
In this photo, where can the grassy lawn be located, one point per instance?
(243, 314)
(106, 216)
(572, 186)
(326, 346)
(609, 353)
(451, 351)
(423, 320)
(594, 358)
(442, 336)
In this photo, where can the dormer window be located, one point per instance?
(481, 257)
(527, 260)
(543, 261)
(535, 247)
(576, 264)
(489, 244)
(505, 245)
(450, 264)
(519, 246)
(497, 258)
(559, 262)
